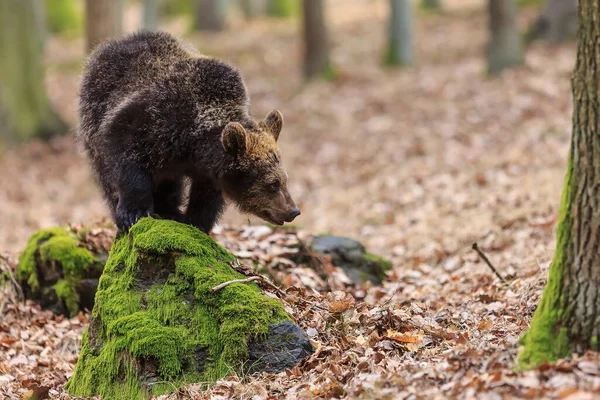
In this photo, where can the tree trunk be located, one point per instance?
(316, 46)
(63, 16)
(400, 49)
(253, 8)
(504, 49)
(25, 111)
(557, 22)
(103, 21)
(568, 315)
(431, 4)
(281, 8)
(210, 15)
(150, 16)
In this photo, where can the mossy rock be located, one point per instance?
(350, 256)
(57, 271)
(157, 324)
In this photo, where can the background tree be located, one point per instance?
(557, 22)
(209, 15)
(504, 48)
(281, 8)
(568, 315)
(253, 8)
(150, 14)
(25, 111)
(103, 20)
(316, 42)
(400, 49)
(63, 16)
(431, 4)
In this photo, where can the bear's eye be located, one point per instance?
(274, 186)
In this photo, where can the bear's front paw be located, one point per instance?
(126, 218)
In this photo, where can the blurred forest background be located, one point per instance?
(415, 126)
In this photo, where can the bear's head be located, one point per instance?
(256, 181)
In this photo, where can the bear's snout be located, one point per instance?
(293, 214)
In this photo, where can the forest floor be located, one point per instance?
(415, 163)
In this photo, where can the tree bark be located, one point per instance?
(25, 111)
(557, 22)
(210, 15)
(316, 46)
(400, 49)
(505, 48)
(103, 21)
(568, 316)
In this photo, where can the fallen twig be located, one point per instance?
(483, 256)
(225, 284)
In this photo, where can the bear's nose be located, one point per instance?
(295, 212)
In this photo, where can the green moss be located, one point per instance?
(57, 248)
(546, 339)
(385, 264)
(26, 270)
(169, 317)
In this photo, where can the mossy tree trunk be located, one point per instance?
(557, 22)
(400, 48)
(103, 21)
(431, 4)
(25, 111)
(316, 42)
(63, 16)
(210, 15)
(281, 8)
(504, 48)
(568, 316)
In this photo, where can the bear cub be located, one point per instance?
(153, 112)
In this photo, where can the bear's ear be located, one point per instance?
(273, 123)
(233, 139)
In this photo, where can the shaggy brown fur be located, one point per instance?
(153, 111)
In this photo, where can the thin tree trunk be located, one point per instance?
(431, 4)
(557, 22)
(150, 15)
(568, 315)
(210, 15)
(253, 8)
(505, 48)
(103, 21)
(400, 48)
(316, 46)
(25, 111)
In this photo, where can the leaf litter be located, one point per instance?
(417, 164)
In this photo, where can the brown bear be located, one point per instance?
(152, 111)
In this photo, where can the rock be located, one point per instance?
(58, 272)
(157, 324)
(284, 347)
(351, 256)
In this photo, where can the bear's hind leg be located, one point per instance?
(168, 196)
(135, 196)
(205, 205)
